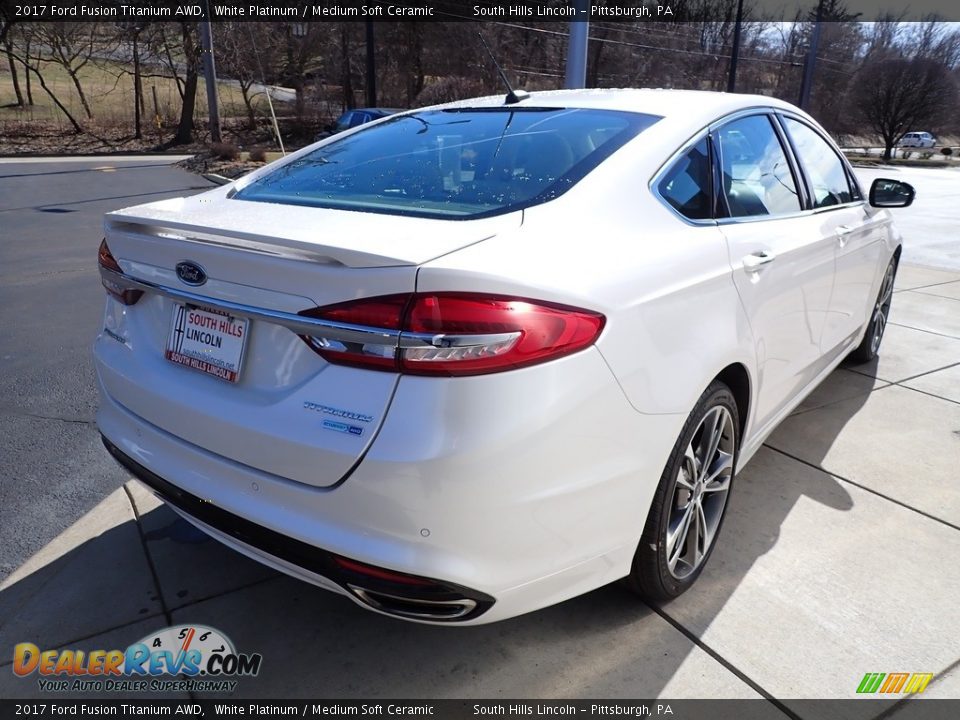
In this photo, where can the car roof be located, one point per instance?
(385, 111)
(668, 103)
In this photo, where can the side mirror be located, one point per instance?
(886, 193)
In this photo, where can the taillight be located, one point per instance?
(384, 312)
(108, 262)
(452, 333)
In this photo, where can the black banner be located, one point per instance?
(304, 11)
(914, 708)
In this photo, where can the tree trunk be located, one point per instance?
(415, 75)
(184, 134)
(596, 51)
(345, 81)
(26, 73)
(248, 103)
(5, 25)
(13, 72)
(137, 91)
(83, 98)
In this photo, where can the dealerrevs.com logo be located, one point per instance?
(182, 658)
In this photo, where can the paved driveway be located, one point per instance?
(838, 556)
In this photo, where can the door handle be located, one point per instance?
(842, 232)
(752, 262)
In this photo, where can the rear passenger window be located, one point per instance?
(823, 167)
(755, 173)
(358, 118)
(686, 186)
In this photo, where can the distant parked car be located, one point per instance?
(917, 140)
(358, 116)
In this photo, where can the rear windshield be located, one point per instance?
(463, 163)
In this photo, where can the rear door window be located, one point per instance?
(755, 173)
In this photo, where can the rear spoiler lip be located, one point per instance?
(152, 221)
(290, 248)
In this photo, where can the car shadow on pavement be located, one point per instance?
(102, 592)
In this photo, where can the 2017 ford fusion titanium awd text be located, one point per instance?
(468, 361)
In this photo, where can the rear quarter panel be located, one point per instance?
(674, 320)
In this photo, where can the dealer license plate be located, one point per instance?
(207, 340)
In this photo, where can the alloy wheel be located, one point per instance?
(882, 310)
(700, 492)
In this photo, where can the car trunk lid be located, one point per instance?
(290, 413)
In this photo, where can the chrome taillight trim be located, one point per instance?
(303, 325)
(411, 340)
(299, 324)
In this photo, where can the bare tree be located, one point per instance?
(346, 70)
(14, 74)
(130, 32)
(884, 36)
(243, 49)
(20, 51)
(7, 18)
(897, 95)
(190, 48)
(71, 46)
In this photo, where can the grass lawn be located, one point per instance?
(109, 92)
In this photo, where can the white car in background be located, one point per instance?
(468, 361)
(917, 140)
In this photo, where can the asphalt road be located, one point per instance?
(52, 466)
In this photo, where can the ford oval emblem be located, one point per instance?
(191, 273)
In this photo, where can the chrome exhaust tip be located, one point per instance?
(414, 608)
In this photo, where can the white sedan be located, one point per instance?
(468, 361)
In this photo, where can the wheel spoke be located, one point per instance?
(887, 291)
(710, 440)
(700, 540)
(688, 471)
(720, 472)
(677, 540)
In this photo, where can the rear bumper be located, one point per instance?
(421, 597)
(540, 502)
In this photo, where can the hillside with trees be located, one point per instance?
(140, 85)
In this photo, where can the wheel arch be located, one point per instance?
(736, 377)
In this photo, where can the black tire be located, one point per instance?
(869, 347)
(652, 574)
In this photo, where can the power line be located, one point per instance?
(680, 51)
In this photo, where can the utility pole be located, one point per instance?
(371, 68)
(811, 60)
(732, 80)
(577, 46)
(210, 74)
